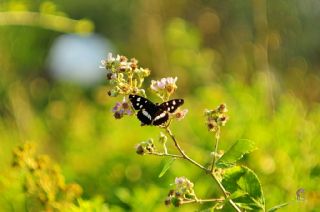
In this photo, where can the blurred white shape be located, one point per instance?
(76, 58)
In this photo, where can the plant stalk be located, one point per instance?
(184, 155)
(214, 158)
(164, 154)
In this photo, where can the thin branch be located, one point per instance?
(214, 158)
(203, 200)
(225, 193)
(164, 154)
(184, 155)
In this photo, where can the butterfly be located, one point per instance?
(154, 114)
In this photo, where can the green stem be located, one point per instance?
(164, 154)
(184, 155)
(214, 158)
(203, 200)
(225, 193)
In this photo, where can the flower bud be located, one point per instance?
(139, 149)
(114, 92)
(222, 108)
(163, 138)
(176, 202)
(118, 115)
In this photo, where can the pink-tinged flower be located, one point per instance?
(164, 83)
(171, 80)
(179, 115)
(164, 87)
(157, 85)
(116, 107)
(184, 187)
(124, 66)
(180, 180)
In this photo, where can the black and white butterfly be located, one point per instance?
(154, 114)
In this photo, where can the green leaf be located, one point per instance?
(166, 166)
(237, 194)
(278, 207)
(245, 188)
(235, 153)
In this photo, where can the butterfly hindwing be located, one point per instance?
(154, 114)
(160, 118)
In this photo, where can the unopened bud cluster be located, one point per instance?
(122, 108)
(183, 192)
(124, 75)
(216, 118)
(145, 147)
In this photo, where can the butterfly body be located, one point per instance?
(154, 114)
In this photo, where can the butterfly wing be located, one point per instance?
(139, 102)
(145, 117)
(171, 105)
(161, 117)
(154, 114)
(147, 110)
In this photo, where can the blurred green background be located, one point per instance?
(261, 58)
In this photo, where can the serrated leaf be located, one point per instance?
(242, 180)
(278, 207)
(235, 153)
(166, 166)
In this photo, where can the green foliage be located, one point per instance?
(167, 165)
(216, 49)
(235, 153)
(275, 208)
(245, 188)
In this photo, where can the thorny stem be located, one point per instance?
(184, 156)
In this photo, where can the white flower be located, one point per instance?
(165, 84)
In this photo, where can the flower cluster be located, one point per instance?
(127, 78)
(145, 147)
(121, 109)
(44, 181)
(216, 118)
(183, 192)
(124, 75)
(165, 87)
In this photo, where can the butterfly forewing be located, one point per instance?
(139, 102)
(145, 117)
(171, 105)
